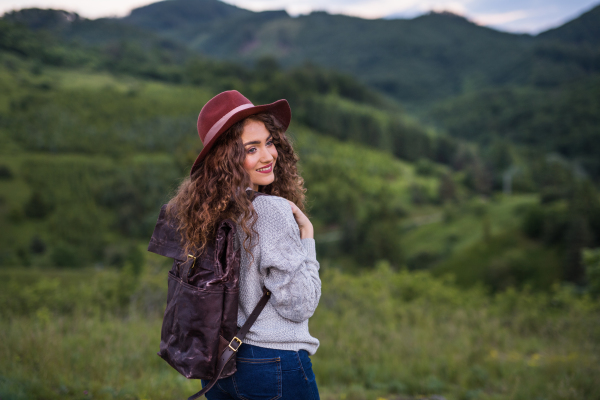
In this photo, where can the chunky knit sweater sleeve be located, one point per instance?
(288, 267)
(288, 263)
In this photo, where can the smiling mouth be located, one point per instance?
(266, 170)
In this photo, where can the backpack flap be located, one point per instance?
(165, 239)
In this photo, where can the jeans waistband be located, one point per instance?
(289, 359)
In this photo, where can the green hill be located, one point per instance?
(85, 150)
(164, 16)
(564, 120)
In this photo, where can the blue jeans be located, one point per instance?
(267, 374)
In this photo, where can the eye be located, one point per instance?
(269, 142)
(251, 150)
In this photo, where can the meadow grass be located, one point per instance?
(82, 334)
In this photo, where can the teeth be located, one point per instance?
(264, 168)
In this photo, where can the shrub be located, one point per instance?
(38, 205)
(63, 255)
(591, 259)
(5, 172)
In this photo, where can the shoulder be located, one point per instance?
(271, 203)
(273, 210)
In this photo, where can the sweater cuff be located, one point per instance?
(309, 245)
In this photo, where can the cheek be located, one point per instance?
(273, 151)
(249, 163)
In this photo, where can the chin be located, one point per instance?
(267, 180)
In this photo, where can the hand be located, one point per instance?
(306, 228)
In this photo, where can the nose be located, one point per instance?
(266, 156)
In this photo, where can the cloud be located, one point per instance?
(360, 8)
(88, 9)
(499, 18)
(456, 7)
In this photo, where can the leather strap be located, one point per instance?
(234, 345)
(186, 267)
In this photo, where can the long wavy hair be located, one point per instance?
(217, 188)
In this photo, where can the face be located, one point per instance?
(261, 153)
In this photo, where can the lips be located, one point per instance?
(266, 169)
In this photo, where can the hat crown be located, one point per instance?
(218, 107)
(227, 108)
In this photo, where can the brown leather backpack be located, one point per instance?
(199, 335)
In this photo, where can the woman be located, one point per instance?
(245, 148)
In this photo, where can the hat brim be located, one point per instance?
(280, 109)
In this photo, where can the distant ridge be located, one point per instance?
(417, 61)
(584, 29)
(421, 59)
(181, 16)
(98, 32)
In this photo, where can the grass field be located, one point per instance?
(83, 334)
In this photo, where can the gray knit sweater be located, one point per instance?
(288, 267)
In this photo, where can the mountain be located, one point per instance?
(584, 29)
(417, 61)
(107, 33)
(182, 17)
(428, 57)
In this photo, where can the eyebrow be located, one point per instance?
(257, 141)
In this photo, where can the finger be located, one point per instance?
(294, 207)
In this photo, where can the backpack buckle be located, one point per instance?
(237, 340)
(194, 263)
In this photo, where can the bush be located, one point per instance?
(38, 206)
(5, 172)
(533, 222)
(591, 259)
(63, 255)
(425, 167)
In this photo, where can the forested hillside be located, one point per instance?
(538, 93)
(582, 30)
(418, 60)
(90, 154)
(415, 60)
(365, 201)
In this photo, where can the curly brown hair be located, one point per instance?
(216, 189)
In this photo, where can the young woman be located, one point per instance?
(245, 149)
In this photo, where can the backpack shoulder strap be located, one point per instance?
(253, 194)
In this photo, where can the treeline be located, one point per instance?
(566, 218)
(564, 120)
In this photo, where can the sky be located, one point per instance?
(520, 16)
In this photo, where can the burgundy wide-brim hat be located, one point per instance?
(227, 108)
